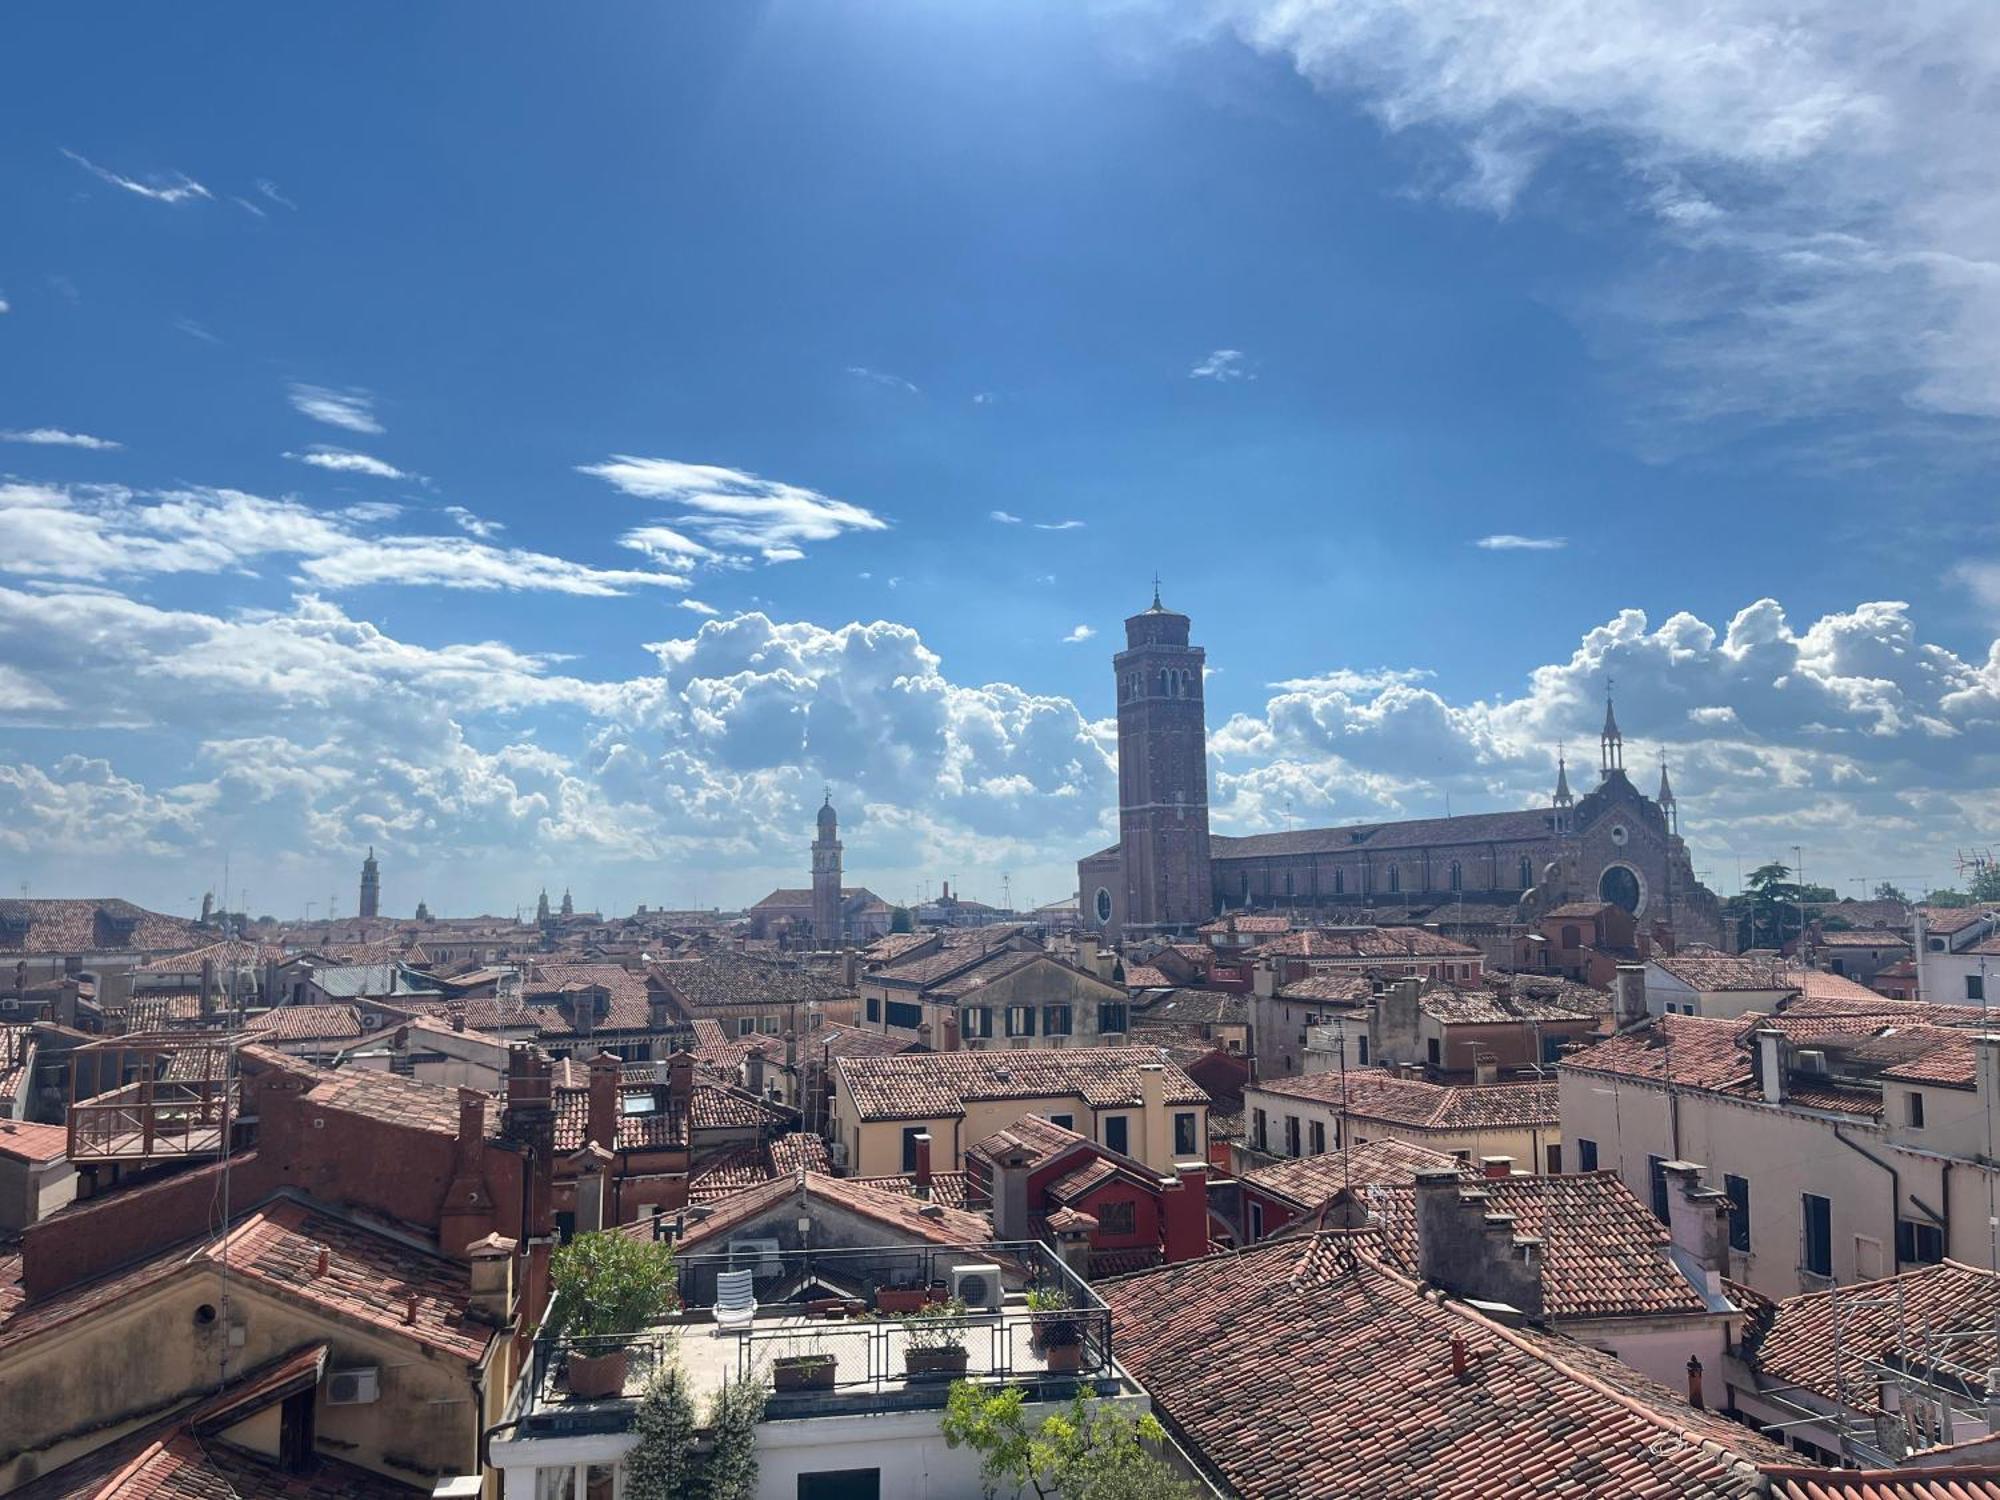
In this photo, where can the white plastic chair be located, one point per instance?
(735, 1300)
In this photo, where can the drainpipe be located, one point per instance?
(1895, 1190)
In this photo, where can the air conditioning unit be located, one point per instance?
(354, 1387)
(977, 1286)
(762, 1257)
(838, 1151)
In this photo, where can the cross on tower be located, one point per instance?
(1156, 591)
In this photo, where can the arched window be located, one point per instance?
(1457, 877)
(1395, 879)
(1527, 873)
(1339, 881)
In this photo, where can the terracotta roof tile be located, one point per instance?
(1716, 972)
(305, 1023)
(800, 1150)
(926, 1085)
(727, 979)
(37, 926)
(1310, 1181)
(1419, 1104)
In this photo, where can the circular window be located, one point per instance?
(204, 1315)
(1103, 904)
(1619, 835)
(1620, 886)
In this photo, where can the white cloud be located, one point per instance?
(171, 187)
(352, 409)
(474, 525)
(55, 437)
(270, 190)
(346, 461)
(1507, 541)
(248, 207)
(1078, 635)
(1058, 525)
(98, 532)
(5, 305)
(1222, 365)
(983, 398)
(1817, 182)
(878, 377)
(697, 607)
(730, 508)
(1003, 518)
(195, 330)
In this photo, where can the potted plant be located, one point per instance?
(1058, 1333)
(934, 1346)
(608, 1287)
(899, 1300)
(808, 1368)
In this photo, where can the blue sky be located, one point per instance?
(752, 318)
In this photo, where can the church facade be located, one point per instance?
(1614, 843)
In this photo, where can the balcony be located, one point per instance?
(815, 1305)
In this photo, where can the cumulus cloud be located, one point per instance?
(351, 409)
(55, 437)
(1078, 635)
(1816, 183)
(169, 187)
(1507, 541)
(99, 532)
(731, 508)
(345, 461)
(1222, 366)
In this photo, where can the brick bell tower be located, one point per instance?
(1162, 774)
(826, 878)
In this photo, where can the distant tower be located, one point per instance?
(371, 885)
(542, 908)
(207, 907)
(1565, 800)
(1162, 773)
(423, 911)
(1668, 805)
(568, 906)
(1611, 744)
(826, 877)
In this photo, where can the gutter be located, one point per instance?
(1895, 1191)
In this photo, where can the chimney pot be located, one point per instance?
(1461, 1366)
(410, 1308)
(319, 1268)
(1694, 1382)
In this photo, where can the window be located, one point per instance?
(1361, 1049)
(1288, 882)
(1055, 1020)
(1068, 1122)
(1526, 873)
(1020, 1020)
(1434, 1052)
(1554, 1154)
(1586, 1155)
(1256, 1222)
(1975, 986)
(1918, 1244)
(841, 1484)
(1913, 1109)
(1103, 906)
(1572, 937)
(746, 1025)
(1457, 877)
(1291, 1135)
(1318, 1137)
(769, 1025)
(976, 1021)
(1117, 1132)
(1186, 1144)
(1260, 1130)
(1656, 1167)
(1114, 1218)
(1817, 1212)
(1339, 881)
(1395, 878)
(910, 1134)
(1110, 1016)
(1738, 1191)
(910, 1016)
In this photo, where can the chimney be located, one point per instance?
(1461, 1365)
(320, 1265)
(1694, 1382)
(601, 1120)
(1698, 1220)
(1264, 978)
(1010, 1195)
(923, 1182)
(753, 1069)
(850, 968)
(659, 1009)
(1496, 1166)
(208, 986)
(1184, 1212)
(1086, 952)
(1485, 1068)
(410, 1308)
(1628, 996)
(792, 1052)
(1073, 1241)
(680, 1081)
(1771, 1063)
(590, 1172)
(1471, 1251)
(492, 1279)
(456, 1010)
(1155, 1137)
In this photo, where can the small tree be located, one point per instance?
(662, 1466)
(610, 1283)
(1091, 1450)
(900, 920)
(1889, 891)
(733, 1415)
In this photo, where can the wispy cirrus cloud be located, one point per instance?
(55, 437)
(195, 330)
(270, 190)
(351, 409)
(474, 525)
(1005, 518)
(883, 378)
(730, 509)
(1507, 541)
(346, 461)
(696, 606)
(170, 187)
(1222, 366)
(1059, 525)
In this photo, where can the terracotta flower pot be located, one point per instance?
(812, 1372)
(595, 1376)
(1063, 1359)
(934, 1364)
(900, 1300)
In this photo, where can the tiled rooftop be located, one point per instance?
(307, 1023)
(1306, 1367)
(1367, 943)
(52, 927)
(728, 979)
(926, 1085)
(1418, 1104)
(1717, 972)
(1310, 1181)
